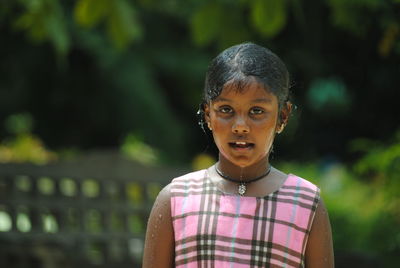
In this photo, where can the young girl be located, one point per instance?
(241, 212)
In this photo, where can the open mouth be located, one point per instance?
(241, 145)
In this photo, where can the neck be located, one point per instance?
(242, 173)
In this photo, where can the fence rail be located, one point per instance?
(90, 213)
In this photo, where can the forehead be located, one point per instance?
(246, 90)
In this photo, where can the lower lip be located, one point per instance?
(242, 149)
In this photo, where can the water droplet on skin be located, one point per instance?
(241, 178)
(160, 216)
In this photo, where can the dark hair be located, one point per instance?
(241, 64)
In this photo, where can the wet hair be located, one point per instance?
(241, 65)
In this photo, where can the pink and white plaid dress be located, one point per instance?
(215, 229)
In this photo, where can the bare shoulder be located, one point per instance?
(163, 197)
(161, 211)
(159, 245)
(319, 251)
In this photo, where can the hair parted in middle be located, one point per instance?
(240, 65)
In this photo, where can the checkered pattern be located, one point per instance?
(215, 229)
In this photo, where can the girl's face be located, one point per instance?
(243, 123)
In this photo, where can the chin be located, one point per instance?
(242, 162)
(248, 162)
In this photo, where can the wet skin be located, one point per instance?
(251, 116)
(244, 123)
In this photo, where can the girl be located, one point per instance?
(241, 212)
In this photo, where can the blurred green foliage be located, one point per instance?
(119, 17)
(99, 73)
(351, 15)
(43, 20)
(269, 16)
(362, 199)
(137, 150)
(381, 164)
(22, 146)
(138, 66)
(329, 96)
(19, 123)
(202, 161)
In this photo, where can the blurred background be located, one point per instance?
(95, 93)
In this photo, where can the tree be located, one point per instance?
(138, 66)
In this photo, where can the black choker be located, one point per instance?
(242, 184)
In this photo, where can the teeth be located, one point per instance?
(240, 143)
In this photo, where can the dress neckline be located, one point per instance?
(208, 178)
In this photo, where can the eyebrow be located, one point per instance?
(261, 100)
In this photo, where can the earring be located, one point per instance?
(209, 126)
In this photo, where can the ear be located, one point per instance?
(206, 109)
(285, 112)
(284, 116)
(207, 119)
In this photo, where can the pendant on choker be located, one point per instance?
(242, 189)
(242, 184)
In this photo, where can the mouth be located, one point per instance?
(241, 145)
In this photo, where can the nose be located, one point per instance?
(240, 125)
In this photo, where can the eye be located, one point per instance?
(225, 110)
(256, 111)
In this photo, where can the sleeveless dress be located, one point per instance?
(216, 229)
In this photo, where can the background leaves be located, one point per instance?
(127, 75)
(268, 16)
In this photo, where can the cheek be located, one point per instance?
(219, 124)
(219, 129)
(268, 134)
(267, 137)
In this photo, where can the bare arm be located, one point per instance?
(319, 251)
(159, 246)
